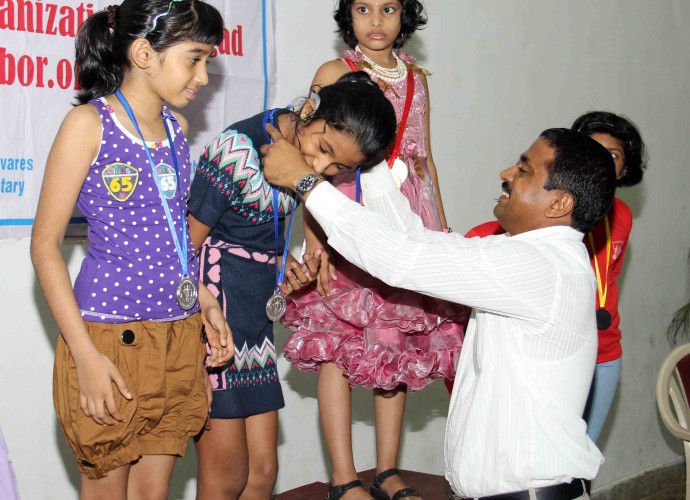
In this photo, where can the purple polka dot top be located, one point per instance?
(132, 269)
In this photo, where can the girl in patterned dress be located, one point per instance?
(238, 221)
(130, 387)
(353, 329)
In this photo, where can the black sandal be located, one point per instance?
(335, 492)
(377, 491)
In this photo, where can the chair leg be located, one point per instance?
(686, 445)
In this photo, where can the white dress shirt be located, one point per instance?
(515, 418)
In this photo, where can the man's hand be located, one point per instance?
(283, 164)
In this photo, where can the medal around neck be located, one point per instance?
(187, 293)
(276, 304)
(603, 319)
(275, 307)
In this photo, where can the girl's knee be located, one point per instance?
(150, 491)
(221, 486)
(386, 394)
(218, 479)
(262, 478)
(267, 470)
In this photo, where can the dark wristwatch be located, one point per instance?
(307, 183)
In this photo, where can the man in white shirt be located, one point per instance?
(515, 428)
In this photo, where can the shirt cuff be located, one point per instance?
(324, 203)
(377, 181)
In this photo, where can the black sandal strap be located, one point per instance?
(335, 492)
(405, 493)
(382, 476)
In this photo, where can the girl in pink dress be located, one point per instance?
(353, 329)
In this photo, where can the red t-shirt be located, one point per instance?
(487, 229)
(620, 224)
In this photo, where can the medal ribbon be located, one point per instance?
(269, 117)
(602, 285)
(280, 276)
(358, 186)
(181, 249)
(403, 121)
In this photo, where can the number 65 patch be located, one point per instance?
(120, 179)
(167, 179)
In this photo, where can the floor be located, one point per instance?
(669, 492)
(667, 483)
(430, 486)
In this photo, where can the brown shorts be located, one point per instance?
(163, 366)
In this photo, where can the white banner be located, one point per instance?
(38, 85)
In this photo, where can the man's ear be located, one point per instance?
(561, 205)
(141, 53)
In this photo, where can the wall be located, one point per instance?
(503, 70)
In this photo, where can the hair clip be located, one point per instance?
(158, 16)
(314, 96)
(590, 125)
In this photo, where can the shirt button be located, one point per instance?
(127, 337)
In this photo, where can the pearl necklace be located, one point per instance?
(390, 75)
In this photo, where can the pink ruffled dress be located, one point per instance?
(380, 336)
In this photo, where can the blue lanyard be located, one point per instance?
(269, 117)
(358, 186)
(181, 249)
(280, 276)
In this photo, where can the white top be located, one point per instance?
(515, 418)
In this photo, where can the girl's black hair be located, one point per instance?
(104, 39)
(412, 18)
(355, 105)
(627, 134)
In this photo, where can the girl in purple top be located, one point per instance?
(130, 387)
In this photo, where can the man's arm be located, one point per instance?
(389, 242)
(511, 278)
(383, 196)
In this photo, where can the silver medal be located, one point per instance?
(186, 293)
(275, 307)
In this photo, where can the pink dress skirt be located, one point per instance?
(379, 336)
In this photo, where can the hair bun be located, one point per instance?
(356, 77)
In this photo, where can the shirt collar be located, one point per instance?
(552, 232)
